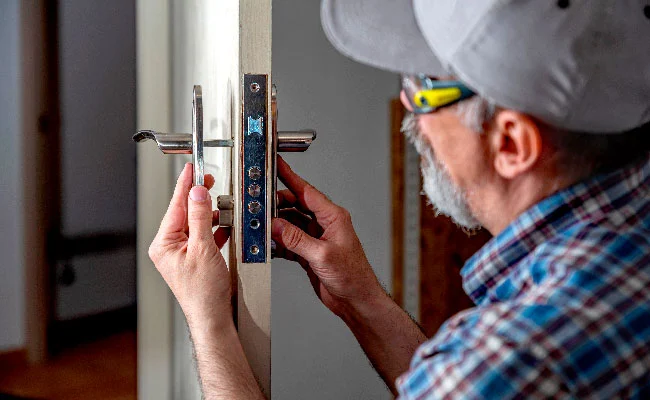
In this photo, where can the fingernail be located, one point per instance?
(199, 193)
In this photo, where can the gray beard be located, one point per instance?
(443, 194)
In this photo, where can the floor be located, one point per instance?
(101, 370)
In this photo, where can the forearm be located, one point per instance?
(223, 368)
(387, 335)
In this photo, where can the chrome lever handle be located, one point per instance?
(186, 143)
(177, 143)
(183, 143)
(297, 141)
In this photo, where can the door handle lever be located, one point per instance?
(177, 143)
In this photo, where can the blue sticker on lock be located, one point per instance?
(255, 125)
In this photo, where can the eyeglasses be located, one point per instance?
(426, 94)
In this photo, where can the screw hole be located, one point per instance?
(255, 223)
(255, 249)
(255, 87)
(563, 4)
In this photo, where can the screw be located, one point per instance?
(254, 190)
(255, 249)
(254, 173)
(255, 87)
(254, 207)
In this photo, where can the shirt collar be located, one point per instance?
(588, 200)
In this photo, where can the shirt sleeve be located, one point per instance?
(486, 353)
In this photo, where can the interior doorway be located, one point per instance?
(94, 247)
(77, 90)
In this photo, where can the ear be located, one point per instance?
(515, 142)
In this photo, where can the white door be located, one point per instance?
(212, 44)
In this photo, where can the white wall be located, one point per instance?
(314, 354)
(11, 268)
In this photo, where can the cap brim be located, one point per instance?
(380, 33)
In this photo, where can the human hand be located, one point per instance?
(319, 235)
(186, 253)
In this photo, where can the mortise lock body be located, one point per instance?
(253, 155)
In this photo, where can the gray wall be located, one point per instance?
(97, 67)
(314, 354)
(11, 268)
(97, 93)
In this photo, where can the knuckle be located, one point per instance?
(311, 193)
(197, 214)
(310, 190)
(344, 215)
(154, 252)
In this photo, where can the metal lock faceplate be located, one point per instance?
(254, 156)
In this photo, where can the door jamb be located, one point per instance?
(40, 165)
(154, 188)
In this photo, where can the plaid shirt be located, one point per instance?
(562, 303)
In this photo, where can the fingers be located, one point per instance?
(174, 219)
(295, 217)
(199, 216)
(308, 196)
(222, 233)
(286, 199)
(295, 239)
(208, 181)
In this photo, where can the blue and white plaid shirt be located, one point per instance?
(562, 303)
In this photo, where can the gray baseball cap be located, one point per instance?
(580, 65)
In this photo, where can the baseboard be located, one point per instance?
(13, 359)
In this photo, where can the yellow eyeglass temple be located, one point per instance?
(436, 97)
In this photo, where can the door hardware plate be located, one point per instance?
(254, 165)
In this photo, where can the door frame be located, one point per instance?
(40, 166)
(154, 109)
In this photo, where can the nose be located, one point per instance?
(405, 102)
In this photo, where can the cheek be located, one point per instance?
(457, 148)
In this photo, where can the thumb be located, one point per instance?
(199, 215)
(295, 239)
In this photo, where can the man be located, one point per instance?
(534, 127)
